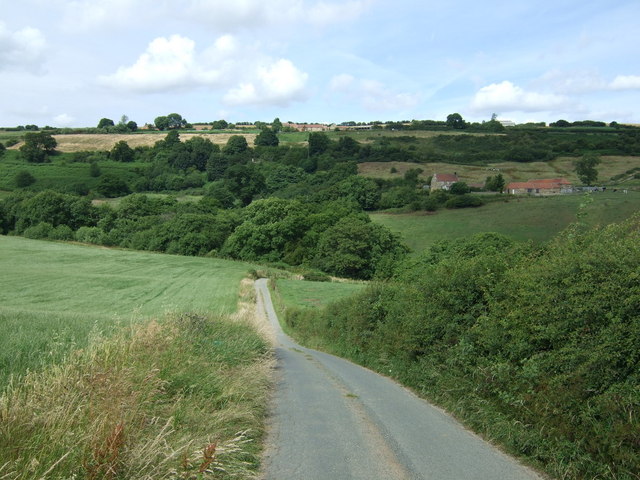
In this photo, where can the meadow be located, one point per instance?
(61, 173)
(305, 294)
(522, 218)
(54, 296)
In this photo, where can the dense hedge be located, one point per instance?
(538, 349)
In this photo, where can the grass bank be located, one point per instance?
(179, 397)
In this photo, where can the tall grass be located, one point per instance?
(178, 397)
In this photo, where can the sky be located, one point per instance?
(69, 63)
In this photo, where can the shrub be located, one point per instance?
(316, 277)
(24, 179)
(93, 235)
(39, 231)
(464, 201)
(61, 232)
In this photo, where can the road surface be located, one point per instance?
(334, 420)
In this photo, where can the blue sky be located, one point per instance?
(72, 62)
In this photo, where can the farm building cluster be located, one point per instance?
(541, 187)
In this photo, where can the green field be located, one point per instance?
(304, 294)
(60, 173)
(54, 295)
(535, 218)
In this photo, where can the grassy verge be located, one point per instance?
(537, 218)
(179, 397)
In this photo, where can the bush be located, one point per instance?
(93, 235)
(112, 186)
(24, 179)
(464, 201)
(39, 231)
(61, 232)
(316, 277)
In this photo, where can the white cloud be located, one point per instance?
(63, 120)
(278, 83)
(242, 14)
(626, 82)
(372, 94)
(342, 82)
(323, 13)
(572, 82)
(506, 96)
(247, 75)
(167, 63)
(88, 15)
(23, 49)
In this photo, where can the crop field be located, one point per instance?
(53, 296)
(90, 142)
(511, 171)
(536, 218)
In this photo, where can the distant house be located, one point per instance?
(308, 127)
(443, 181)
(549, 186)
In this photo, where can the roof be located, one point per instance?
(542, 184)
(445, 177)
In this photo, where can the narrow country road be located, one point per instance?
(334, 420)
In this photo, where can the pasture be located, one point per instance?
(305, 294)
(54, 296)
(60, 173)
(525, 218)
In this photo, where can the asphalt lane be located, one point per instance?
(332, 419)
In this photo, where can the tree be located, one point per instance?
(105, 123)
(94, 170)
(456, 121)
(235, 145)
(276, 125)
(112, 186)
(122, 152)
(176, 121)
(459, 188)
(495, 184)
(132, 126)
(586, 168)
(38, 146)
(318, 143)
(161, 122)
(2, 149)
(266, 138)
(357, 248)
(24, 179)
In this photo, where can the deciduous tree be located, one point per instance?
(586, 168)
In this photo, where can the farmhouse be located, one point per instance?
(549, 186)
(308, 127)
(443, 181)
